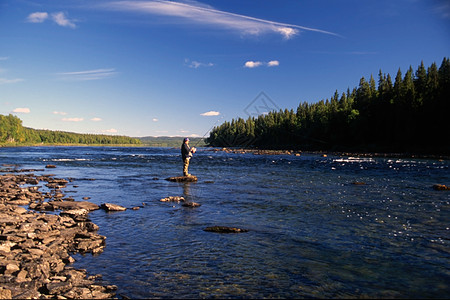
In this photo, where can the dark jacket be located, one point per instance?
(185, 151)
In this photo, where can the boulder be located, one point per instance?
(112, 207)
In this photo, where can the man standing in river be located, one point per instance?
(186, 154)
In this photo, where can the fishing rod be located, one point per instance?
(209, 130)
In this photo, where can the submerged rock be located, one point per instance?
(441, 187)
(191, 204)
(191, 178)
(224, 229)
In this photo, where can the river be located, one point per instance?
(312, 232)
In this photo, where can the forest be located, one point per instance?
(409, 114)
(13, 133)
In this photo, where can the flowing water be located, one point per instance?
(312, 232)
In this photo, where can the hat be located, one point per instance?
(186, 140)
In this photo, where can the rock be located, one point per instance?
(50, 166)
(191, 204)
(191, 178)
(79, 215)
(66, 205)
(112, 207)
(224, 229)
(172, 199)
(358, 183)
(441, 187)
(35, 247)
(5, 293)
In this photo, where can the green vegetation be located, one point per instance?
(12, 133)
(409, 115)
(169, 141)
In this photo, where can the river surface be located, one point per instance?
(312, 232)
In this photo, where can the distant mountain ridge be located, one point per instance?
(170, 141)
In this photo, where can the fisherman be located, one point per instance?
(186, 153)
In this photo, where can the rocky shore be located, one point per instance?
(326, 153)
(36, 244)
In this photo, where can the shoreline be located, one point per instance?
(326, 153)
(36, 244)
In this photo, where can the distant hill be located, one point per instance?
(170, 141)
(13, 133)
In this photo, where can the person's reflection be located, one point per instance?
(187, 191)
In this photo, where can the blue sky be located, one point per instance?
(178, 68)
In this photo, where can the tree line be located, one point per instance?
(409, 114)
(12, 132)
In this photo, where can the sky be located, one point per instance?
(179, 68)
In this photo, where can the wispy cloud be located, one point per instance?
(7, 81)
(442, 8)
(59, 18)
(196, 12)
(37, 17)
(96, 119)
(72, 119)
(254, 64)
(196, 64)
(21, 110)
(4, 57)
(155, 120)
(210, 113)
(62, 113)
(88, 74)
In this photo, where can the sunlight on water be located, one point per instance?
(325, 227)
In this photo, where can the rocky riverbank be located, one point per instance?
(36, 245)
(326, 153)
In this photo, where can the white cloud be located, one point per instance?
(195, 12)
(61, 19)
(72, 119)
(7, 81)
(59, 113)
(96, 119)
(252, 64)
(37, 17)
(155, 120)
(88, 74)
(210, 113)
(22, 110)
(112, 130)
(196, 64)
